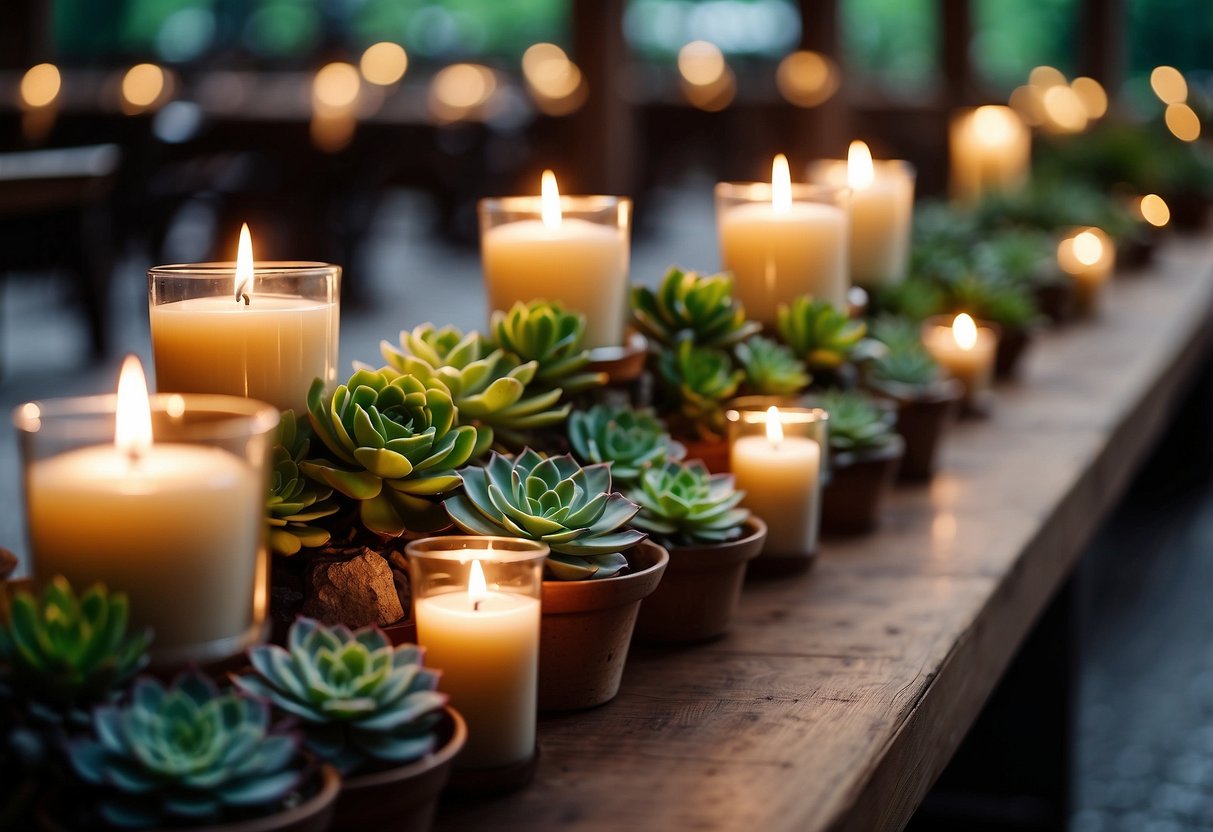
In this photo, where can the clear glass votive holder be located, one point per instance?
(477, 601)
(967, 354)
(1088, 256)
(778, 252)
(179, 527)
(268, 343)
(577, 257)
(779, 459)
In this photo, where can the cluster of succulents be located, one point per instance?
(360, 701)
(691, 306)
(905, 361)
(771, 368)
(697, 383)
(630, 440)
(820, 334)
(554, 500)
(295, 501)
(681, 503)
(553, 338)
(857, 422)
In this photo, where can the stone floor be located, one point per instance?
(1145, 734)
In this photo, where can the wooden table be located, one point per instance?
(840, 695)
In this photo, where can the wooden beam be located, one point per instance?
(605, 131)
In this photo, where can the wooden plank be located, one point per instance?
(840, 695)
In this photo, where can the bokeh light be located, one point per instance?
(1169, 85)
(1064, 110)
(40, 85)
(384, 63)
(1092, 95)
(461, 91)
(1154, 210)
(806, 79)
(555, 83)
(701, 64)
(1183, 122)
(336, 86)
(1044, 77)
(143, 86)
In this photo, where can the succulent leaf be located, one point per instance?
(547, 334)
(682, 503)
(857, 422)
(771, 368)
(699, 380)
(295, 500)
(690, 305)
(824, 336)
(631, 440)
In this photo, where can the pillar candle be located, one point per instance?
(881, 209)
(779, 247)
(990, 149)
(966, 351)
(580, 264)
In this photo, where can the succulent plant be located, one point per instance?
(488, 386)
(771, 368)
(396, 444)
(360, 700)
(630, 440)
(700, 380)
(906, 361)
(295, 501)
(547, 334)
(554, 500)
(916, 298)
(688, 304)
(186, 754)
(857, 423)
(683, 504)
(822, 335)
(1008, 304)
(61, 653)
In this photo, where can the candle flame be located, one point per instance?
(994, 124)
(1088, 248)
(774, 426)
(133, 412)
(549, 200)
(477, 588)
(244, 266)
(964, 330)
(781, 185)
(860, 172)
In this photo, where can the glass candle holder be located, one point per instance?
(1088, 256)
(178, 525)
(780, 249)
(476, 601)
(881, 212)
(989, 149)
(777, 457)
(268, 344)
(575, 253)
(966, 349)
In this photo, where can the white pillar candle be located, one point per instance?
(990, 149)
(966, 351)
(779, 248)
(781, 479)
(580, 264)
(1088, 256)
(264, 346)
(486, 643)
(881, 210)
(176, 527)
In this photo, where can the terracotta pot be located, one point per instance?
(698, 596)
(923, 417)
(586, 628)
(715, 455)
(623, 364)
(313, 815)
(1012, 344)
(404, 798)
(852, 500)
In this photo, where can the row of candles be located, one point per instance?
(177, 523)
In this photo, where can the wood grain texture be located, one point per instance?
(840, 695)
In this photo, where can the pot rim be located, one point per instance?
(707, 556)
(940, 391)
(443, 755)
(608, 593)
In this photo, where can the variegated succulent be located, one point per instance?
(771, 368)
(395, 443)
(822, 335)
(295, 501)
(544, 332)
(699, 381)
(681, 503)
(361, 702)
(688, 305)
(554, 500)
(630, 440)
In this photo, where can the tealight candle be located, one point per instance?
(176, 521)
(1088, 256)
(476, 601)
(882, 206)
(965, 350)
(264, 332)
(571, 250)
(990, 149)
(776, 459)
(781, 241)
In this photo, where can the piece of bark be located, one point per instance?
(355, 592)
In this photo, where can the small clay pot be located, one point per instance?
(851, 501)
(698, 596)
(1012, 345)
(586, 628)
(624, 364)
(715, 455)
(403, 798)
(923, 417)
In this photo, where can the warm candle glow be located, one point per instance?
(1088, 248)
(774, 426)
(384, 63)
(1169, 84)
(477, 588)
(993, 124)
(781, 185)
(549, 200)
(133, 411)
(244, 266)
(860, 172)
(142, 85)
(40, 85)
(1154, 210)
(964, 331)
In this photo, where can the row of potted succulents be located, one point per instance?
(337, 729)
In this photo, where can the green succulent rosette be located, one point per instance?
(690, 305)
(682, 503)
(630, 440)
(295, 502)
(360, 701)
(700, 381)
(857, 422)
(547, 334)
(771, 368)
(395, 442)
(822, 335)
(553, 500)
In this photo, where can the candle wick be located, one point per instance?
(245, 297)
(475, 606)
